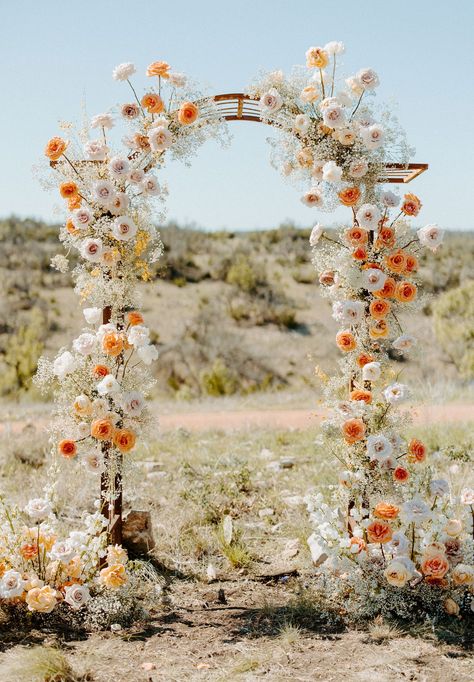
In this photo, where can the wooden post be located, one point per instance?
(113, 512)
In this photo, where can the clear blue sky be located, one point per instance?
(54, 54)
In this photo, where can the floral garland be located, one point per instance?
(397, 524)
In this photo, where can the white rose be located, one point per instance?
(373, 137)
(431, 236)
(38, 508)
(379, 447)
(368, 216)
(374, 279)
(93, 462)
(122, 72)
(415, 511)
(119, 167)
(85, 343)
(358, 168)
(404, 342)
(103, 192)
(467, 496)
(76, 596)
(395, 393)
(334, 116)
(371, 371)
(312, 198)
(108, 384)
(397, 573)
(92, 315)
(354, 85)
(91, 250)
(150, 185)
(271, 101)
(136, 176)
(345, 136)
(332, 172)
(334, 47)
(96, 150)
(124, 228)
(317, 170)
(64, 364)
(139, 336)
(63, 552)
(82, 405)
(119, 204)
(367, 78)
(81, 217)
(160, 138)
(390, 199)
(177, 80)
(352, 311)
(316, 234)
(102, 121)
(147, 354)
(132, 403)
(12, 585)
(301, 123)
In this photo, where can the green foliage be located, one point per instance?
(242, 274)
(20, 356)
(220, 380)
(453, 315)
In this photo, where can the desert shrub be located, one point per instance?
(23, 347)
(245, 274)
(219, 380)
(453, 315)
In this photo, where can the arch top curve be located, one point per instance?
(237, 106)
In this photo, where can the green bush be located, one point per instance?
(220, 380)
(453, 315)
(242, 274)
(22, 351)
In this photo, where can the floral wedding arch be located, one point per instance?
(394, 525)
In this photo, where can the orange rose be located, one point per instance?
(102, 429)
(70, 227)
(188, 113)
(400, 475)
(386, 511)
(396, 262)
(359, 254)
(124, 439)
(346, 341)
(379, 532)
(359, 544)
(435, 565)
(375, 266)
(100, 371)
(388, 289)
(158, 69)
(74, 202)
(411, 205)
(112, 344)
(405, 292)
(29, 552)
(152, 103)
(55, 148)
(411, 264)
(379, 309)
(353, 430)
(67, 448)
(378, 329)
(68, 189)
(364, 359)
(385, 237)
(142, 142)
(349, 196)
(416, 451)
(359, 394)
(357, 235)
(134, 317)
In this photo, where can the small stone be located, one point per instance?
(211, 573)
(148, 666)
(266, 512)
(115, 627)
(287, 462)
(265, 453)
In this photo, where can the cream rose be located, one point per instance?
(41, 599)
(397, 573)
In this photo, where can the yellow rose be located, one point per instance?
(316, 58)
(116, 555)
(463, 574)
(113, 576)
(397, 574)
(42, 599)
(74, 567)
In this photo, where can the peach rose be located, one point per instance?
(359, 394)
(388, 289)
(316, 58)
(67, 448)
(411, 205)
(359, 254)
(378, 329)
(397, 574)
(68, 189)
(416, 451)
(401, 475)
(112, 344)
(463, 574)
(405, 292)
(41, 599)
(100, 371)
(396, 262)
(411, 264)
(379, 309)
(346, 341)
(309, 94)
(357, 545)
(353, 430)
(134, 318)
(357, 235)
(124, 440)
(74, 202)
(379, 532)
(70, 227)
(29, 551)
(152, 103)
(55, 148)
(364, 359)
(385, 237)
(435, 565)
(142, 142)
(102, 429)
(158, 69)
(349, 196)
(113, 576)
(188, 113)
(386, 511)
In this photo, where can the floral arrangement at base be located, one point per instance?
(398, 535)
